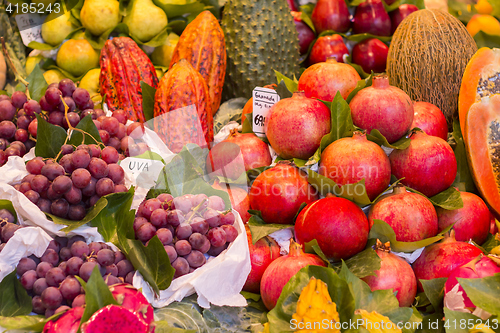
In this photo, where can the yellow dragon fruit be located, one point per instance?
(374, 322)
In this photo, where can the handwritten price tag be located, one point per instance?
(30, 27)
(144, 171)
(263, 100)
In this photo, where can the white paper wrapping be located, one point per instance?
(218, 282)
(282, 237)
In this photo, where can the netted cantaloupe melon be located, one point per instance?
(427, 58)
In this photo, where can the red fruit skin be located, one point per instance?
(493, 225)
(430, 119)
(331, 15)
(306, 35)
(439, 260)
(278, 193)
(371, 17)
(262, 254)
(382, 107)
(293, 5)
(348, 160)
(411, 216)
(326, 47)
(428, 165)
(340, 227)
(279, 272)
(132, 299)
(115, 318)
(472, 221)
(324, 79)
(69, 322)
(239, 199)
(396, 274)
(399, 14)
(295, 126)
(371, 55)
(255, 151)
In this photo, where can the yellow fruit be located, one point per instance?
(31, 63)
(159, 73)
(481, 328)
(486, 23)
(483, 7)
(90, 82)
(100, 15)
(316, 313)
(56, 28)
(162, 55)
(144, 19)
(77, 57)
(53, 76)
(374, 322)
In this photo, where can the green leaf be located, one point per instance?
(484, 293)
(164, 327)
(358, 68)
(307, 20)
(459, 322)
(361, 37)
(363, 264)
(360, 85)
(23, 323)
(183, 315)
(490, 243)
(97, 42)
(280, 316)
(14, 45)
(448, 199)
(260, 229)
(49, 138)
(229, 111)
(37, 84)
(247, 124)
(230, 319)
(174, 8)
(42, 46)
(384, 232)
(97, 295)
(7, 204)
(14, 299)
(314, 248)
(379, 139)
(91, 135)
(148, 100)
(434, 290)
(463, 180)
(290, 84)
(283, 91)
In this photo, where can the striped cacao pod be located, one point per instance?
(182, 111)
(123, 66)
(202, 44)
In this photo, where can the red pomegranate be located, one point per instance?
(477, 268)
(295, 126)
(278, 193)
(382, 107)
(430, 119)
(280, 271)
(371, 55)
(371, 17)
(328, 47)
(394, 273)
(331, 15)
(472, 221)
(428, 165)
(324, 79)
(411, 216)
(262, 253)
(439, 260)
(348, 160)
(339, 226)
(239, 198)
(306, 35)
(399, 14)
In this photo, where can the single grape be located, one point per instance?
(182, 247)
(112, 269)
(200, 200)
(23, 123)
(78, 301)
(51, 195)
(97, 123)
(165, 199)
(104, 186)
(70, 103)
(129, 278)
(43, 268)
(39, 286)
(88, 112)
(105, 257)
(24, 265)
(76, 212)
(196, 259)
(110, 125)
(73, 118)
(7, 129)
(60, 208)
(13, 151)
(67, 149)
(4, 98)
(119, 256)
(111, 280)
(65, 253)
(6, 216)
(62, 309)
(115, 143)
(212, 217)
(95, 247)
(60, 185)
(70, 288)
(120, 188)
(7, 110)
(52, 170)
(98, 168)
(125, 142)
(183, 203)
(199, 225)
(215, 251)
(73, 196)
(217, 236)
(52, 298)
(55, 276)
(62, 265)
(124, 267)
(227, 219)
(21, 135)
(53, 245)
(231, 233)
(165, 236)
(75, 239)
(45, 105)
(216, 202)
(104, 136)
(67, 87)
(150, 206)
(159, 218)
(73, 265)
(88, 105)
(65, 162)
(134, 150)
(86, 269)
(81, 178)
(56, 118)
(145, 232)
(181, 267)
(138, 222)
(183, 231)
(8, 231)
(19, 145)
(99, 112)
(18, 99)
(93, 200)
(53, 96)
(89, 190)
(38, 306)
(80, 159)
(122, 132)
(81, 97)
(80, 249)
(136, 130)
(120, 115)
(197, 240)
(50, 256)
(95, 150)
(109, 154)
(172, 254)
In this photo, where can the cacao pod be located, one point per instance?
(182, 112)
(123, 66)
(202, 44)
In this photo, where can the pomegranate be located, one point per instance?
(411, 216)
(371, 55)
(306, 35)
(239, 198)
(339, 226)
(399, 14)
(493, 225)
(439, 260)
(279, 191)
(248, 108)
(254, 151)
(394, 273)
(324, 79)
(265, 251)
(382, 107)
(371, 17)
(477, 268)
(348, 160)
(328, 47)
(295, 126)
(428, 165)
(280, 271)
(430, 119)
(331, 15)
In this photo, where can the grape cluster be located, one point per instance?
(189, 227)
(7, 227)
(68, 187)
(51, 281)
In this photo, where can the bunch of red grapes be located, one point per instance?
(69, 187)
(190, 227)
(51, 281)
(7, 227)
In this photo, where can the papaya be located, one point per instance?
(482, 144)
(480, 79)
